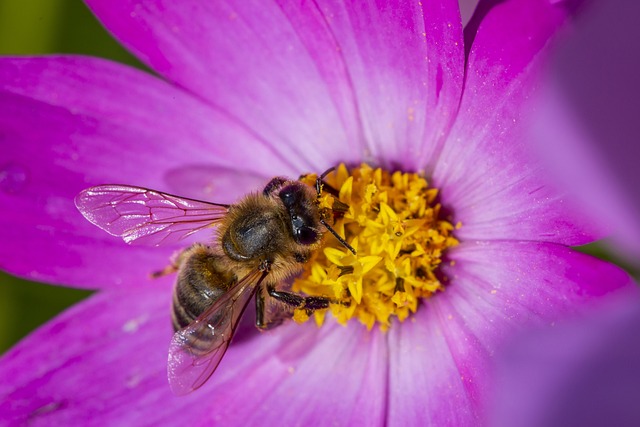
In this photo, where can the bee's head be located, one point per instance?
(299, 201)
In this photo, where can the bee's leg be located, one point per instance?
(169, 269)
(173, 267)
(270, 312)
(310, 304)
(260, 310)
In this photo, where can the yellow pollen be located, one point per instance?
(392, 221)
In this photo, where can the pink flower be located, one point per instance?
(249, 90)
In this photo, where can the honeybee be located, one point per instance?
(261, 241)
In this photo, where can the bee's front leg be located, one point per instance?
(310, 304)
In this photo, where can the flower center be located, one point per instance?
(392, 221)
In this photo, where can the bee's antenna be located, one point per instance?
(320, 185)
(327, 172)
(337, 236)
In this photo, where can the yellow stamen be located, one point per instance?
(393, 224)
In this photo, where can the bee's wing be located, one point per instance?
(196, 350)
(146, 216)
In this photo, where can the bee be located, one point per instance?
(262, 240)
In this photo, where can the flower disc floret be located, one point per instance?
(392, 220)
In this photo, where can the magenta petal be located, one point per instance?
(307, 376)
(582, 373)
(485, 173)
(494, 289)
(577, 164)
(106, 359)
(118, 122)
(590, 103)
(427, 388)
(219, 184)
(406, 63)
(287, 84)
(345, 80)
(46, 238)
(445, 71)
(69, 123)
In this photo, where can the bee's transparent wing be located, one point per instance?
(146, 216)
(197, 349)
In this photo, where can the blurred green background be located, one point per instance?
(36, 27)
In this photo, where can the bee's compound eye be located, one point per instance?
(289, 195)
(306, 236)
(292, 195)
